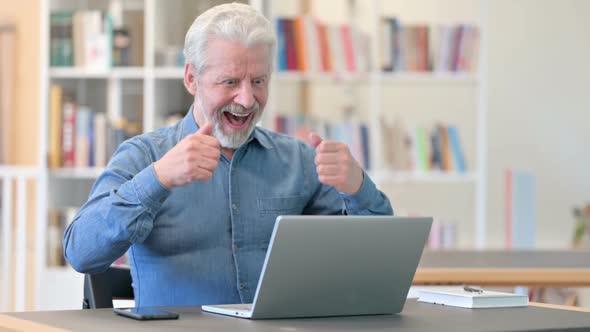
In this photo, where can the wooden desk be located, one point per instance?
(505, 268)
(415, 317)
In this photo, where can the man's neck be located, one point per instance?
(229, 153)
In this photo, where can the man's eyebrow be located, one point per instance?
(224, 77)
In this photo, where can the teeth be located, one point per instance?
(240, 115)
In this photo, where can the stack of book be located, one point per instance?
(90, 39)
(80, 136)
(306, 45)
(355, 134)
(423, 150)
(422, 48)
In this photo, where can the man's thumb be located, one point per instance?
(207, 129)
(314, 140)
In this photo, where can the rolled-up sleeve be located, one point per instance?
(120, 211)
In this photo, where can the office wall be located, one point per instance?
(539, 109)
(25, 14)
(26, 126)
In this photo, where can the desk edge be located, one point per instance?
(23, 325)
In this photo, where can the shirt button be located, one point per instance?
(234, 206)
(241, 285)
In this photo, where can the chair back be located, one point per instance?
(101, 288)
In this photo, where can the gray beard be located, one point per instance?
(238, 138)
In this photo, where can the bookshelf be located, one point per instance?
(151, 88)
(417, 96)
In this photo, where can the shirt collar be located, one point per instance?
(189, 126)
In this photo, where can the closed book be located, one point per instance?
(55, 126)
(456, 149)
(68, 136)
(281, 45)
(470, 299)
(386, 44)
(290, 48)
(348, 48)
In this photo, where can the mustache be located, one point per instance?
(239, 109)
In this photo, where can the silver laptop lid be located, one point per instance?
(339, 265)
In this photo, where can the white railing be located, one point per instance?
(13, 248)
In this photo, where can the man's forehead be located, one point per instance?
(223, 48)
(236, 57)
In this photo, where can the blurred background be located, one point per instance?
(474, 112)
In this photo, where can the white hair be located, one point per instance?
(231, 21)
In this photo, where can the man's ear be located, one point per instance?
(190, 80)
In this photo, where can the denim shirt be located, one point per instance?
(203, 243)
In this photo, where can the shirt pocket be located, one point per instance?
(287, 205)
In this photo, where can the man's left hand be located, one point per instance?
(336, 166)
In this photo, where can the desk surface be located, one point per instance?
(415, 317)
(505, 268)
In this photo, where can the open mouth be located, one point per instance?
(237, 121)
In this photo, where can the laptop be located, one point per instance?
(335, 266)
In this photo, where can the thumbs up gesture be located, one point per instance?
(194, 158)
(336, 166)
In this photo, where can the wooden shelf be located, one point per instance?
(320, 77)
(427, 77)
(178, 73)
(89, 173)
(118, 72)
(18, 171)
(390, 176)
(169, 72)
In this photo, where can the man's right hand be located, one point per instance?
(194, 158)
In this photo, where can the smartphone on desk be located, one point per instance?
(145, 313)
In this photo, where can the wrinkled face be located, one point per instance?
(232, 91)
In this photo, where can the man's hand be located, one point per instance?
(194, 158)
(336, 166)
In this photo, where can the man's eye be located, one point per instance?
(229, 82)
(259, 81)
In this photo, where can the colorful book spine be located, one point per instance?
(456, 149)
(281, 45)
(69, 134)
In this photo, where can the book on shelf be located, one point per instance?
(419, 149)
(121, 47)
(473, 298)
(443, 236)
(80, 38)
(520, 209)
(423, 48)
(88, 38)
(306, 45)
(355, 134)
(80, 136)
(61, 52)
(128, 36)
(581, 236)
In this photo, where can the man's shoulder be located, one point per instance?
(277, 140)
(159, 140)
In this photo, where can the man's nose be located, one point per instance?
(245, 95)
